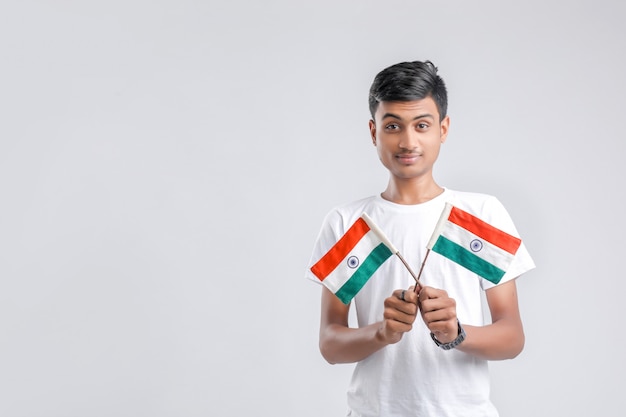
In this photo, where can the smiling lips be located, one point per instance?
(408, 158)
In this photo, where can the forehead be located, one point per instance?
(409, 110)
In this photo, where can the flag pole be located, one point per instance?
(393, 249)
(419, 274)
(415, 277)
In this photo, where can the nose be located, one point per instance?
(409, 140)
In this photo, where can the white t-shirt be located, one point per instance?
(414, 377)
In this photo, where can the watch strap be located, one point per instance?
(451, 345)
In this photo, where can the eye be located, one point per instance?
(422, 125)
(392, 126)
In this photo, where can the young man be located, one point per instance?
(401, 367)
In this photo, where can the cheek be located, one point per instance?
(382, 155)
(434, 151)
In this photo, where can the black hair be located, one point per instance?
(409, 81)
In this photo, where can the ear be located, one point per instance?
(444, 126)
(372, 125)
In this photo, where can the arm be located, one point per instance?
(502, 339)
(341, 344)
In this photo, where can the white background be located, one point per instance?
(165, 167)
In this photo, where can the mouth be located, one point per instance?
(408, 158)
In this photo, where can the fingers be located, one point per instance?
(438, 311)
(400, 310)
(430, 292)
(439, 308)
(401, 307)
(416, 288)
(405, 296)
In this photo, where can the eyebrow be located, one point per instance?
(420, 116)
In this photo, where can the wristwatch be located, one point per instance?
(451, 345)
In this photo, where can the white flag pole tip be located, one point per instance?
(393, 249)
(379, 233)
(443, 218)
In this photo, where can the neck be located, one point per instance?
(411, 192)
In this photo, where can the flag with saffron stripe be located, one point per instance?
(350, 263)
(474, 244)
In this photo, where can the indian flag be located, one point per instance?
(473, 243)
(350, 263)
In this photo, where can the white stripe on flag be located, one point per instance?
(340, 275)
(489, 252)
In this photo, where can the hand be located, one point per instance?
(398, 316)
(438, 311)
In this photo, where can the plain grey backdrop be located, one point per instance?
(165, 167)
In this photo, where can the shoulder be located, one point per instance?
(470, 199)
(343, 215)
(337, 221)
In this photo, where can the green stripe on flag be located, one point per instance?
(373, 261)
(464, 257)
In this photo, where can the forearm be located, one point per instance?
(340, 344)
(503, 339)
